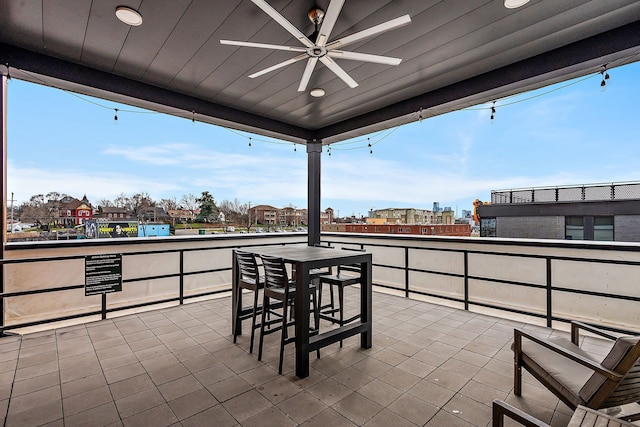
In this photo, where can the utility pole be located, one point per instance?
(249, 219)
(11, 227)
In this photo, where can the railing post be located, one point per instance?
(549, 301)
(466, 280)
(104, 306)
(406, 272)
(181, 277)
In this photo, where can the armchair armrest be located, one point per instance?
(575, 332)
(502, 409)
(517, 348)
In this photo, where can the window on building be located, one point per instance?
(574, 228)
(488, 227)
(603, 228)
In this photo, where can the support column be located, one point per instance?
(3, 183)
(314, 153)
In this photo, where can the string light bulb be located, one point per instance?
(193, 116)
(420, 115)
(493, 110)
(249, 142)
(605, 76)
(115, 117)
(294, 147)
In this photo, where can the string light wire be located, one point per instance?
(382, 135)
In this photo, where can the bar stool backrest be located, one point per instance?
(275, 273)
(248, 267)
(352, 268)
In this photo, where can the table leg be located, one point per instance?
(366, 305)
(236, 299)
(302, 320)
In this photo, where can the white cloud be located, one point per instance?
(25, 182)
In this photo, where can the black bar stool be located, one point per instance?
(280, 288)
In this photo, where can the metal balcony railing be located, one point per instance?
(575, 193)
(551, 281)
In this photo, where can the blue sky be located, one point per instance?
(561, 135)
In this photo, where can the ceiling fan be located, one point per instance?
(317, 46)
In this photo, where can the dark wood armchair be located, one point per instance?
(574, 375)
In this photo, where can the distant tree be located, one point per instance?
(243, 214)
(37, 200)
(168, 204)
(208, 208)
(189, 202)
(35, 210)
(141, 204)
(105, 203)
(226, 208)
(53, 201)
(54, 196)
(122, 201)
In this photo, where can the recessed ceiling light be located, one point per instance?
(317, 92)
(128, 16)
(513, 4)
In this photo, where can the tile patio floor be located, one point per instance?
(430, 365)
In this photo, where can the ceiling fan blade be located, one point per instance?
(263, 45)
(329, 21)
(306, 76)
(355, 56)
(338, 71)
(370, 32)
(279, 65)
(275, 15)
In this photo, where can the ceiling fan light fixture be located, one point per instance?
(315, 15)
(514, 4)
(129, 16)
(317, 92)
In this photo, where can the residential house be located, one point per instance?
(72, 212)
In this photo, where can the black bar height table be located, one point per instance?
(306, 258)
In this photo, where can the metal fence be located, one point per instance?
(577, 193)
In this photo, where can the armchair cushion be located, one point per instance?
(560, 369)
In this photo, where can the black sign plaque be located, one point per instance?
(103, 274)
